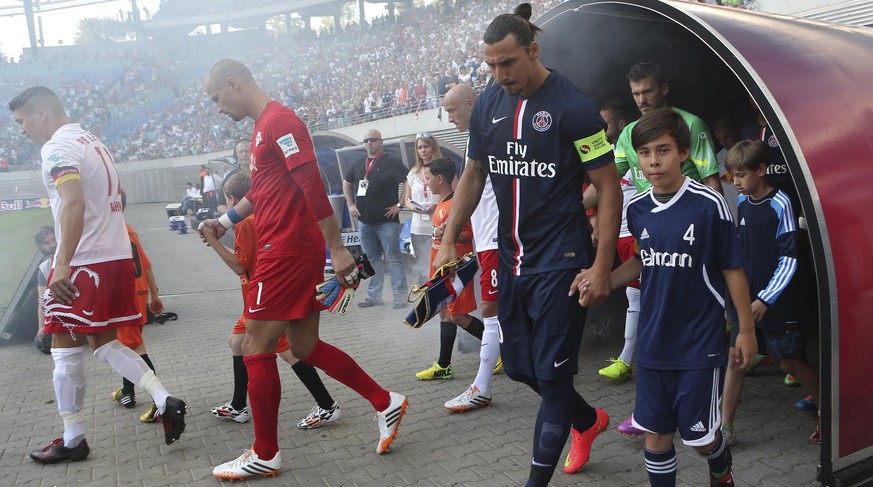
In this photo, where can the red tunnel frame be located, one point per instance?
(807, 79)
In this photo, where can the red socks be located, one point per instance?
(337, 364)
(265, 391)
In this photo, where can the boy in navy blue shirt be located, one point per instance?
(688, 255)
(768, 232)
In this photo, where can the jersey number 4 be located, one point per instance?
(689, 235)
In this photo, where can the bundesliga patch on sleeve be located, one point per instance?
(288, 144)
(592, 147)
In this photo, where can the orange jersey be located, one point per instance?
(440, 215)
(245, 248)
(466, 302)
(141, 262)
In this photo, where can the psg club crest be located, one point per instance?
(542, 121)
(772, 141)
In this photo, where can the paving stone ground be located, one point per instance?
(489, 447)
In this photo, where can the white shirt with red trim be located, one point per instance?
(71, 152)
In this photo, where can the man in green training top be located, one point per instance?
(649, 89)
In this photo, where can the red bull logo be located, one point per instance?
(24, 204)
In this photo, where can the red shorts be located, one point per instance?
(626, 251)
(106, 300)
(283, 289)
(240, 329)
(488, 276)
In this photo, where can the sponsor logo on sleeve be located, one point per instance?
(592, 147)
(288, 145)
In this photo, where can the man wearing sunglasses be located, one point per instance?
(372, 188)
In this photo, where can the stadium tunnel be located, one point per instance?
(807, 79)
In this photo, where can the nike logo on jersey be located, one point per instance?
(562, 362)
(644, 235)
(255, 310)
(698, 428)
(492, 292)
(495, 120)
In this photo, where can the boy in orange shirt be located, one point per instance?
(243, 261)
(147, 299)
(440, 174)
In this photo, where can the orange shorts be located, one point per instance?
(465, 303)
(130, 336)
(240, 329)
(96, 308)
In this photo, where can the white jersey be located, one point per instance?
(420, 193)
(73, 150)
(628, 191)
(484, 218)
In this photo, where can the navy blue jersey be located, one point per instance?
(537, 150)
(684, 245)
(778, 174)
(769, 238)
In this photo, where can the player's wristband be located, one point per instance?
(229, 219)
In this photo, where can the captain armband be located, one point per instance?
(592, 147)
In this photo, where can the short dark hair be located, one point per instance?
(658, 122)
(442, 167)
(238, 185)
(620, 110)
(746, 154)
(646, 69)
(517, 23)
(40, 92)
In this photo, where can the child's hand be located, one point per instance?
(746, 348)
(439, 231)
(208, 233)
(759, 309)
(592, 286)
(156, 306)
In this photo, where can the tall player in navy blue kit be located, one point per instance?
(688, 252)
(537, 136)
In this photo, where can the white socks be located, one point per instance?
(630, 324)
(133, 368)
(489, 352)
(70, 383)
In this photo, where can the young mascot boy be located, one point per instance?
(242, 262)
(688, 251)
(440, 173)
(768, 232)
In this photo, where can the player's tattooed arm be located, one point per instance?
(464, 202)
(477, 167)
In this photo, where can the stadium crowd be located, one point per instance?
(146, 100)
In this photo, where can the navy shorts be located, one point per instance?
(759, 337)
(540, 326)
(786, 344)
(684, 400)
